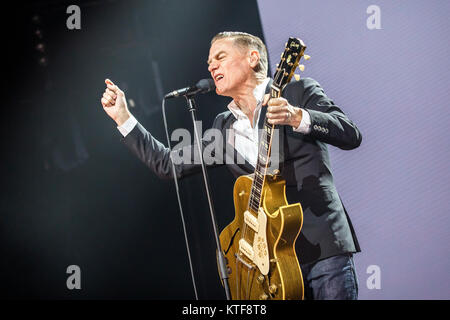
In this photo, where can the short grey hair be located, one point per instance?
(248, 41)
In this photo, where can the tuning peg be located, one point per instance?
(296, 76)
(306, 57)
(301, 67)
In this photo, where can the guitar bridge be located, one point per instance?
(238, 258)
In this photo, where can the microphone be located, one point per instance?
(203, 86)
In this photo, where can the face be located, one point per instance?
(230, 66)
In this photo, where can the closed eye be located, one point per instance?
(219, 56)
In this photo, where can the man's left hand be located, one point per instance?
(279, 111)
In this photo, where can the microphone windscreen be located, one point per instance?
(206, 85)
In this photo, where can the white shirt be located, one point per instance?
(245, 135)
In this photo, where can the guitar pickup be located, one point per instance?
(246, 249)
(251, 221)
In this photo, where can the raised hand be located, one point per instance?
(114, 103)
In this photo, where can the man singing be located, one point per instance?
(307, 119)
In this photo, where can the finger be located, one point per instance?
(277, 115)
(105, 103)
(111, 93)
(113, 88)
(109, 98)
(277, 121)
(277, 109)
(107, 81)
(110, 85)
(277, 102)
(266, 99)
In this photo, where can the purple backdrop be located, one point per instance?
(394, 83)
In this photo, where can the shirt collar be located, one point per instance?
(258, 93)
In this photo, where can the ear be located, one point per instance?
(254, 58)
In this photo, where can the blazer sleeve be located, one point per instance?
(156, 155)
(329, 124)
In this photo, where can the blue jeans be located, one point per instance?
(332, 278)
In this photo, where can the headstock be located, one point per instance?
(290, 59)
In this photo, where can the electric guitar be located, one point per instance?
(259, 244)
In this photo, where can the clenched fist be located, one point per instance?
(114, 103)
(280, 111)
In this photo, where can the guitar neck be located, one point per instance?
(290, 58)
(262, 165)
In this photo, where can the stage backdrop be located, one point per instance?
(385, 63)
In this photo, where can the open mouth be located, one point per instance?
(218, 77)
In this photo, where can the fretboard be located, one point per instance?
(262, 163)
(290, 58)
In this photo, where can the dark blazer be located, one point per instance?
(305, 165)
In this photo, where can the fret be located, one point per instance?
(259, 180)
(262, 158)
(262, 170)
(256, 193)
(254, 197)
(254, 205)
(259, 183)
(262, 164)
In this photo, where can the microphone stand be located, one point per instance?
(220, 257)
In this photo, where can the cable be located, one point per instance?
(178, 197)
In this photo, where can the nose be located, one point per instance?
(212, 66)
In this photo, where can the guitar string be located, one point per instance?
(274, 94)
(267, 135)
(252, 199)
(267, 138)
